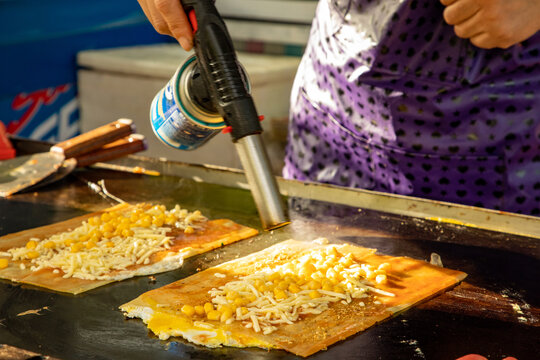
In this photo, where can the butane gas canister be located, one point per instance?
(176, 119)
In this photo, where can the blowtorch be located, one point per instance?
(210, 92)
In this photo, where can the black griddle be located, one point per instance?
(476, 317)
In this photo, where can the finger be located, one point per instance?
(472, 357)
(469, 28)
(144, 8)
(483, 40)
(177, 21)
(460, 11)
(158, 22)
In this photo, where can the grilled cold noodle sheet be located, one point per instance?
(297, 296)
(118, 243)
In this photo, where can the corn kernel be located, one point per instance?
(213, 315)
(109, 244)
(107, 228)
(105, 217)
(158, 221)
(313, 285)
(327, 286)
(231, 295)
(330, 261)
(314, 294)
(307, 270)
(95, 233)
(384, 266)
(90, 244)
(274, 276)
(380, 279)
(262, 288)
(290, 278)
(127, 233)
(331, 274)
(326, 282)
(189, 230)
(114, 223)
(239, 301)
(4, 263)
(145, 222)
(208, 307)
(332, 251)
(49, 245)
(283, 285)
(346, 260)
(310, 267)
(32, 254)
(225, 315)
(31, 244)
(251, 298)
(279, 294)
(244, 310)
(76, 247)
(125, 220)
(338, 289)
(317, 275)
(83, 238)
(370, 275)
(222, 307)
(293, 288)
(199, 310)
(188, 310)
(321, 266)
(157, 208)
(68, 242)
(94, 221)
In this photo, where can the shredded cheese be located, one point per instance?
(114, 241)
(307, 285)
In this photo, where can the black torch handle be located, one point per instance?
(218, 65)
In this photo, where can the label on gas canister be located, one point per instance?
(171, 123)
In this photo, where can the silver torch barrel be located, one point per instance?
(262, 182)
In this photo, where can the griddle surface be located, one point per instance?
(477, 317)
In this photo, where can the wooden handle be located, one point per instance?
(119, 148)
(94, 139)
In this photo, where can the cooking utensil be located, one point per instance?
(128, 145)
(24, 171)
(223, 89)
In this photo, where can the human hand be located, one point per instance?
(168, 18)
(493, 23)
(480, 357)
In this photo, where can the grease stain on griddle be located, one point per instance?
(34, 311)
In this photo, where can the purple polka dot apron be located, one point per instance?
(387, 98)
